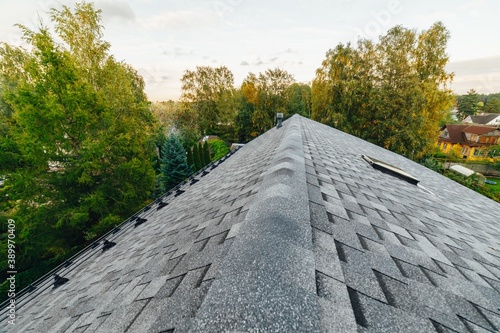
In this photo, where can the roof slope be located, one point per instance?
(456, 132)
(293, 233)
(484, 118)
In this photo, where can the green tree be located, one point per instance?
(392, 93)
(197, 157)
(298, 97)
(190, 159)
(206, 153)
(492, 105)
(208, 91)
(79, 135)
(268, 94)
(174, 168)
(468, 105)
(219, 148)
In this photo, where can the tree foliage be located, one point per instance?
(174, 167)
(468, 105)
(77, 135)
(206, 153)
(219, 148)
(198, 164)
(393, 92)
(208, 93)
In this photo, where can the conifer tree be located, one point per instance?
(190, 159)
(174, 166)
(206, 153)
(196, 158)
(202, 154)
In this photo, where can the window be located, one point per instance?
(473, 137)
(445, 145)
(465, 151)
(478, 152)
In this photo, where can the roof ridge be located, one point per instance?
(270, 268)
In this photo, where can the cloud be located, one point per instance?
(476, 66)
(244, 63)
(481, 74)
(116, 10)
(180, 20)
(178, 52)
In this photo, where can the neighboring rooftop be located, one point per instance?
(461, 133)
(484, 119)
(295, 232)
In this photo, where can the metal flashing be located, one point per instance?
(390, 169)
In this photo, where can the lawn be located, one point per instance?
(494, 188)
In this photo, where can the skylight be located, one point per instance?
(390, 169)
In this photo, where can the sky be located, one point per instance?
(163, 38)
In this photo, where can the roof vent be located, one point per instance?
(115, 230)
(59, 281)
(390, 169)
(279, 120)
(178, 192)
(139, 221)
(161, 205)
(67, 263)
(107, 245)
(31, 288)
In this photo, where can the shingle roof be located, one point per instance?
(293, 233)
(484, 118)
(479, 130)
(456, 132)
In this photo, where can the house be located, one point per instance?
(304, 229)
(491, 119)
(470, 141)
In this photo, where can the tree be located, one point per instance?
(208, 92)
(79, 135)
(190, 159)
(219, 148)
(298, 97)
(206, 153)
(492, 105)
(197, 157)
(174, 168)
(392, 93)
(468, 104)
(267, 93)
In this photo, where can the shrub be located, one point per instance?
(219, 148)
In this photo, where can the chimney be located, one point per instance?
(279, 118)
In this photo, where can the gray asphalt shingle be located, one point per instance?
(294, 232)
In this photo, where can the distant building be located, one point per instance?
(492, 119)
(474, 140)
